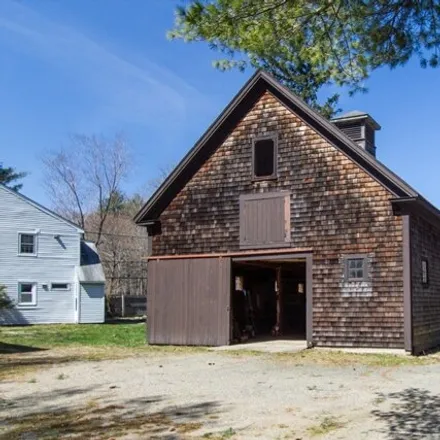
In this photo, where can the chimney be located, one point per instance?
(360, 127)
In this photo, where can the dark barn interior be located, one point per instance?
(268, 300)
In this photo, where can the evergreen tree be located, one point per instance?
(309, 44)
(9, 176)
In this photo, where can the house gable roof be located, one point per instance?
(257, 85)
(41, 207)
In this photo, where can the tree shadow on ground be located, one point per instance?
(13, 365)
(14, 348)
(135, 416)
(48, 399)
(414, 414)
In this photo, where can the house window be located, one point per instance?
(356, 269)
(27, 294)
(264, 155)
(27, 244)
(60, 286)
(425, 274)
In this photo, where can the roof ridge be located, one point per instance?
(259, 82)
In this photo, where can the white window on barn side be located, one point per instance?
(356, 268)
(27, 294)
(357, 277)
(27, 244)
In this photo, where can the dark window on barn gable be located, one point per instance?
(356, 268)
(425, 274)
(264, 158)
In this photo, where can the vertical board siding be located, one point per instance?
(188, 301)
(263, 221)
(55, 262)
(425, 239)
(92, 303)
(336, 208)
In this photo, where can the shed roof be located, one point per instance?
(91, 270)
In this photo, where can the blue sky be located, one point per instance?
(76, 66)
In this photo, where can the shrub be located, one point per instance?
(5, 301)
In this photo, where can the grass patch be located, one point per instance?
(25, 349)
(334, 358)
(223, 435)
(184, 428)
(341, 358)
(12, 367)
(56, 335)
(242, 353)
(327, 425)
(15, 366)
(378, 400)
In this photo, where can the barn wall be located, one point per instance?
(335, 208)
(188, 301)
(425, 298)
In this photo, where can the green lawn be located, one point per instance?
(113, 340)
(26, 349)
(55, 335)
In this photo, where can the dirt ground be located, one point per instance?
(220, 396)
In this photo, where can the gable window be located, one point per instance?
(27, 294)
(27, 244)
(356, 269)
(425, 274)
(264, 154)
(60, 286)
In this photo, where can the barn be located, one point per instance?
(281, 223)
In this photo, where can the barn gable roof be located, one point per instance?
(220, 129)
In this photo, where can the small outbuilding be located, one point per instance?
(91, 280)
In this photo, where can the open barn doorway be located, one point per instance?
(269, 300)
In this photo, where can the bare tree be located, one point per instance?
(86, 178)
(161, 175)
(122, 248)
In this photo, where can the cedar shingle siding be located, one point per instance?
(335, 208)
(425, 240)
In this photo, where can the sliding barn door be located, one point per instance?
(188, 301)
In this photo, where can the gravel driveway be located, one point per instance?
(219, 396)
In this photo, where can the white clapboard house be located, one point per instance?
(51, 274)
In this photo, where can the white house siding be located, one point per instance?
(55, 261)
(92, 306)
